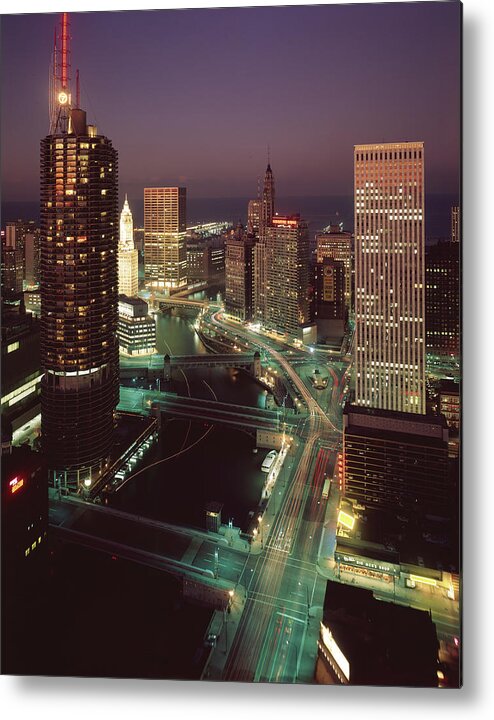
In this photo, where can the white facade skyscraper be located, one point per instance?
(128, 261)
(390, 276)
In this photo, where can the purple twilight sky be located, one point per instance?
(196, 96)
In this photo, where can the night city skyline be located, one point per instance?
(232, 437)
(203, 116)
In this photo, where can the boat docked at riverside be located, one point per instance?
(268, 461)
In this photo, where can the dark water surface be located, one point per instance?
(220, 464)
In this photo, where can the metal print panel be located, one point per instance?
(231, 427)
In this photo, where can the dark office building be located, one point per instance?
(24, 525)
(198, 258)
(449, 404)
(395, 460)
(365, 641)
(21, 367)
(24, 509)
(79, 296)
(32, 258)
(217, 257)
(442, 299)
(12, 272)
(238, 274)
(328, 300)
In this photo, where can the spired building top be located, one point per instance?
(79, 286)
(126, 227)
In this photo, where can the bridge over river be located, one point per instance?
(145, 401)
(199, 557)
(154, 367)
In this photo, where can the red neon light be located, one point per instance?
(15, 484)
(65, 50)
(283, 221)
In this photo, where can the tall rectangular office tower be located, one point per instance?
(390, 276)
(165, 246)
(79, 289)
(287, 275)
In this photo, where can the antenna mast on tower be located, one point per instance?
(60, 98)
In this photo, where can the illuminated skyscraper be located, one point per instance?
(287, 275)
(390, 276)
(336, 244)
(165, 247)
(79, 287)
(267, 205)
(128, 261)
(261, 214)
(238, 274)
(254, 216)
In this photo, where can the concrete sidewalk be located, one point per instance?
(215, 665)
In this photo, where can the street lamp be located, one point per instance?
(260, 526)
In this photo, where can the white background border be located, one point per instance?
(76, 698)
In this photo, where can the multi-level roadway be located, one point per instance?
(313, 406)
(283, 587)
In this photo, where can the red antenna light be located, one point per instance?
(60, 101)
(64, 75)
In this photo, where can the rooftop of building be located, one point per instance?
(395, 425)
(333, 229)
(449, 386)
(385, 644)
(421, 540)
(395, 415)
(214, 507)
(135, 301)
(16, 321)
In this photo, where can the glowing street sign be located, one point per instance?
(15, 484)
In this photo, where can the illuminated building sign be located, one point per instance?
(328, 286)
(335, 651)
(284, 221)
(381, 567)
(15, 484)
(345, 519)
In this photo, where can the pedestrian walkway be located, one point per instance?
(215, 664)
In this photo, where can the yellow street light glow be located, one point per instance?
(63, 98)
(423, 580)
(345, 519)
(231, 593)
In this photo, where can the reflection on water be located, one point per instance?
(219, 467)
